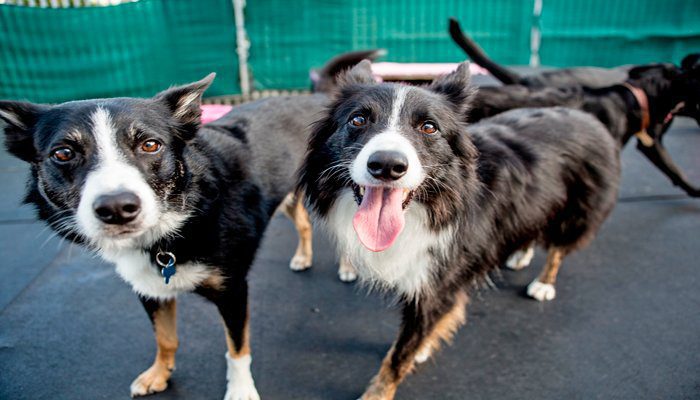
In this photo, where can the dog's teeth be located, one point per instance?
(406, 192)
(362, 190)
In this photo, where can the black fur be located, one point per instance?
(546, 175)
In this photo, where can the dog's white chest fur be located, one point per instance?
(135, 267)
(407, 266)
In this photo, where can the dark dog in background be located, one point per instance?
(592, 77)
(633, 100)
(177, 208)
(424, 205)
(567, 78)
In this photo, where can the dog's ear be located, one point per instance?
(360, 74)
(690, 62)
(185, 102)
(456, 87)
(325, 79)
(19, 118)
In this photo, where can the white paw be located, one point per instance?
(347, 276)
(520, 259)
(422, 356)
(300, 262)
(241, 392)
(541, 291)
(240, 382)
(346, 271)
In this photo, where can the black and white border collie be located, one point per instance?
(423, 204)
(140, 183)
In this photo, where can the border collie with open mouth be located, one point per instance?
(176, 208)
(424, 204)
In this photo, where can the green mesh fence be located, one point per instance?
(136, 49)
(289, 37)
(133, 49)
(609, 33)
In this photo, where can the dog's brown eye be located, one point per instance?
(151, 146)
(358, 120)
(428, 128)
(63, 154)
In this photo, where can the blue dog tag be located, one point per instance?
(168, 271)
(167, 267)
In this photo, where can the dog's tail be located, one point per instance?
(479, 56)
(323, 80)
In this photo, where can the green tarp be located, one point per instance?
(133, 49)
(289, 37)
(136, 49)
(609, 33)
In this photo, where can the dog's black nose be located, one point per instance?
(387, 165)
(119, 208)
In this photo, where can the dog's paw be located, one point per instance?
(347, 276)
(241, 392)
(152, 380)
(422, 356)
(300, 262)
(346, 271)
(541, 291)
(240, 382)
(520, 259)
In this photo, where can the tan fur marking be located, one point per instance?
(383, 385)
(551, 267)
(155, 379)
(448, 325)
(245, 349)
(214, 281)
(293, 208)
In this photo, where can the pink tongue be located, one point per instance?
(379, 220)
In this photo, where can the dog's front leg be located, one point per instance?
(658, 155)
(422, 329)
(163, 315)
(232, 302)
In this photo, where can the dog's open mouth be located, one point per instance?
(359, 192)
(380, 217)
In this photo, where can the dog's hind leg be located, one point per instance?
(232, 302)
(346, 271)
(163, 315)
(293, 208)
(542, 288)
(422, 330)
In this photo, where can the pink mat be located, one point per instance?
(419, 71)
(212, 112)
